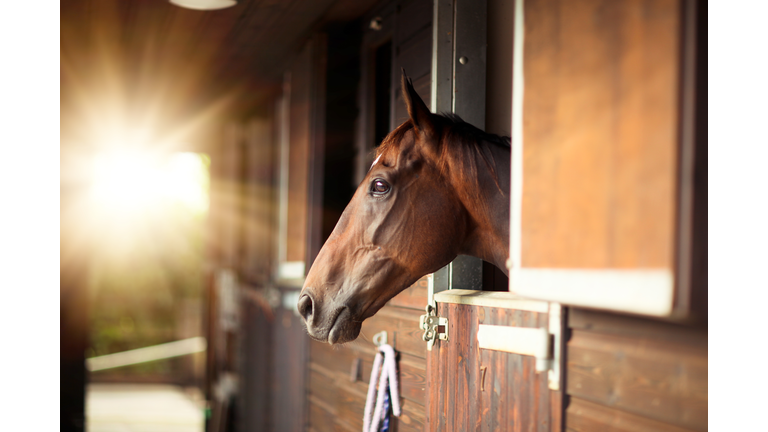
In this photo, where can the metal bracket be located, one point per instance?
(380, 338)
(431, 324)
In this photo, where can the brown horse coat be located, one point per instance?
(438, 188)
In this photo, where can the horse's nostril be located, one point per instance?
(305, 307)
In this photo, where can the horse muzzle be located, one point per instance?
(328, 323)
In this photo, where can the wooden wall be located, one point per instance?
(634, 374)
(413, 52)
(337, 396)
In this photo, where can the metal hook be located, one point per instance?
(380, 338)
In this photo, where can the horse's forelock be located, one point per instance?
(392, 141)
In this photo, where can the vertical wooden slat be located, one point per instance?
(289, 383)
(513, 396)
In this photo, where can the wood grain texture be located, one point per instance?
(414, 297)
(655, 378)
(637, 327)
(600, 133)
(412, 45)
(336, 364)
(483, 390)
(344, 399)
(585, 416)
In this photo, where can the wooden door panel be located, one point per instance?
(595, 218)
(484, 390)
(601, 134)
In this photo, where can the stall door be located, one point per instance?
(475, 380)
(603, 153)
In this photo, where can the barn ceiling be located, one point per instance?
(151, 50)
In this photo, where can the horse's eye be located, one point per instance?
(379, 187)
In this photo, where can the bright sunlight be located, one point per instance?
(129, 183)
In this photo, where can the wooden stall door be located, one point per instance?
(477, 389)
(602, 155)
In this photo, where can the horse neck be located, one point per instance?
(487, 205)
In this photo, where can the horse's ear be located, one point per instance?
(417, 109)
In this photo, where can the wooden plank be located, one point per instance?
(600, 135)
(462, 332)
(414, 56)
(658, 379)
(290, 369)
(335, 359)
(637, 327)
(585, 416)
(500, 377)
(412, 18)
(326, 417)
(402, 326)
(486, 390)
(451, 368)
(323, 386)
(257, 344)
(413, 380)
(322, 417)
(413, 297)
(475, 412)
(423, 88)
(330, 377)
(258, 210)
(412, 419)
(351, 406)
(412, 375)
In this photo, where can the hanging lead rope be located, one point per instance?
(387, 380)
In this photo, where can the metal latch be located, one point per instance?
(431, 324)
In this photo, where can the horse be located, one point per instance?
(438, 188)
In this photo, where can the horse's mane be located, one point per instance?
(459, 139)
(453, 126)
(464, 130)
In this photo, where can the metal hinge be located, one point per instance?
(434, 327)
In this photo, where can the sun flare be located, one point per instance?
(131, 182)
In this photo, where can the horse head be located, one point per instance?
(405, 220)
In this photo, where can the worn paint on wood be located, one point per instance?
(484, 390)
